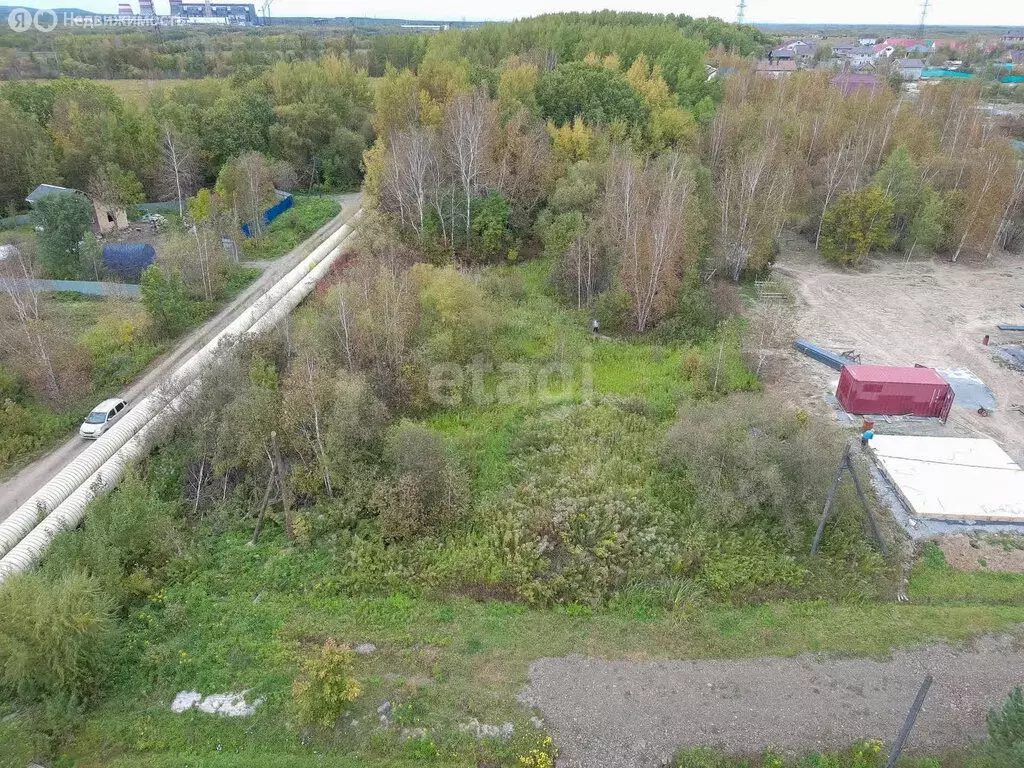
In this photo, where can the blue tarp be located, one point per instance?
(128, 260)
(270, 214)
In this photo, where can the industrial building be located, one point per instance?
(222, 13)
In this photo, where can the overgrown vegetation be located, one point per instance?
(441, 455)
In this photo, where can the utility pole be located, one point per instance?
(741, 11)
(924, 15)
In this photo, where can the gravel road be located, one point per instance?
(15, 490)
(634, 714)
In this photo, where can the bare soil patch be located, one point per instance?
(633, 714)
(892, 312)
(973, 554)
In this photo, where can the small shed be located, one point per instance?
(892, 391)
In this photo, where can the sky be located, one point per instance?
(1009, 13)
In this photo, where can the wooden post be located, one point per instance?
(864, 501)
(901, 740)
(846, 464)
(829, 500)
(286, 494)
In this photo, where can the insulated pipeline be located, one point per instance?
(79, 471)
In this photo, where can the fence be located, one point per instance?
(88, 288)
(270, 214)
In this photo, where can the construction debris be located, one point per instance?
(835, 360)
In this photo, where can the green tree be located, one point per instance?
(490, 222)
(26, 156)
(857, 224)
(600, 96)
(926, 228)
(64, 218)
(246, 183)
(1006, 730)
(115, 187)
(167, 301)
(901, 180)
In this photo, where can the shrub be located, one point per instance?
(166, 299)
(425, 493)
(26, 428)
(456, 320)
(56, 636)
(579, 523)
(1006, 726)
(119, 349)
(750, 458)
(326, 685)
(128, 537)
(611, 309)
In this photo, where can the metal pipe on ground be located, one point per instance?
(294, 297)
(77, 472)
(70, 513)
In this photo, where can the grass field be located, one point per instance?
(137, 92)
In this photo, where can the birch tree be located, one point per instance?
(467, 130)
(179, 177)
(646, 213)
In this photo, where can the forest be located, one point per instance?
(529, 415)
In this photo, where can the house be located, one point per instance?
(910, 69)
(795, 49)
(1017, 58)
(852, 82)
(108, 218)
(842, 50)
(775, 69)
(782, 54)
(908, 44)
(1014, 38)
(862, 57)
(47, 189)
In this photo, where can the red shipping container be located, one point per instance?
(877, 389)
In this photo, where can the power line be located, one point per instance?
(741, 11)
(924, 15)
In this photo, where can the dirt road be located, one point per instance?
(929, 312)
(16, 490)
(635, 714)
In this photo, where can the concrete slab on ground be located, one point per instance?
(952, 478)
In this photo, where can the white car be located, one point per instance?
(102, 417)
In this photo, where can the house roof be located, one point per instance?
(776, 66)
(783, 53)
(47, 189)
(850, 82)
(906, 42)
(911, 63)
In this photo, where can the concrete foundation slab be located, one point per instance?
(952, 478)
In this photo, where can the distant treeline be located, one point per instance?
(188, 52)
